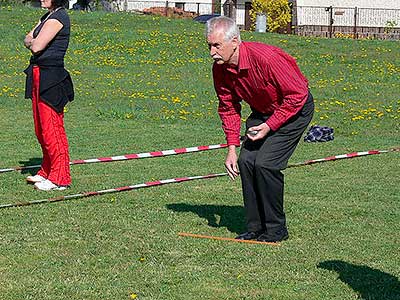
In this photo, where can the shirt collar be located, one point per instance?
(243, 57)
(243, 60)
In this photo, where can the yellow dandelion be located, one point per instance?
(356, 118)
(176, 100)
(128, 115)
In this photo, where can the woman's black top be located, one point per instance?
(56, 87)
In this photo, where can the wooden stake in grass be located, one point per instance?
(225, 239)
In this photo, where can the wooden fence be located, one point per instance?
(349, 22)
(346, 22)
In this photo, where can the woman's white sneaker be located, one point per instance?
(47, 185)
(35, 178)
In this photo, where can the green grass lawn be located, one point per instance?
(143, 84)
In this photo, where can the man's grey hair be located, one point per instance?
(227, 25)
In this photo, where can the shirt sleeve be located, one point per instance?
(62, 17)
(229, 109)
(291, 83)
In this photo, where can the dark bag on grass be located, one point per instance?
(318, 133)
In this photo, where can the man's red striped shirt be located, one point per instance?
(268, 79)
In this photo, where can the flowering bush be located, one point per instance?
(278, 13)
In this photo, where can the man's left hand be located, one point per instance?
(262, 131)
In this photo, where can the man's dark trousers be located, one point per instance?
(260, 164)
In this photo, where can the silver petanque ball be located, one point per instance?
(252, 132)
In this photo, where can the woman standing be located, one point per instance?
(50, 87)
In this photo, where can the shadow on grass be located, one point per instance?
(230, 217)
(369, 283)
(30, 162)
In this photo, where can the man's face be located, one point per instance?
(221, 50)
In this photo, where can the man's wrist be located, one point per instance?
(232, 148)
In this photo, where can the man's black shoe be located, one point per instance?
(278, 237)
(250, 235)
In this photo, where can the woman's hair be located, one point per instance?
(60, 3)
(227, 25)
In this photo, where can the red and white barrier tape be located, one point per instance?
(114, 190)
(182, 179)
(343, 156)
(128, 156)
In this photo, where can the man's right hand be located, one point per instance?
(231, 162)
